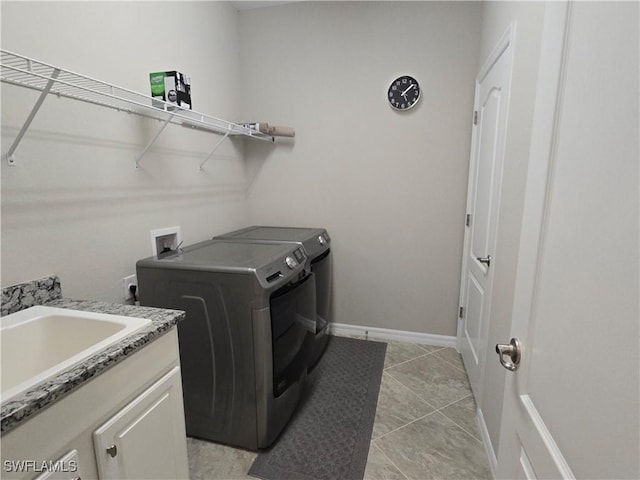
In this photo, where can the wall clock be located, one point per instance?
(403, 93)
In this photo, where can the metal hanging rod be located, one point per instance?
(29, 73)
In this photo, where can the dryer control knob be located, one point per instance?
(321, 240)
(291, 262)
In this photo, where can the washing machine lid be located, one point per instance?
(295, 234)
(232, 257)
(232, 254)
(315, 240)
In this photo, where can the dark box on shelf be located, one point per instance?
(172, 87)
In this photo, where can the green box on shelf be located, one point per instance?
(172, 87)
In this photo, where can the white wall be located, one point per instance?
(74, 205)
(390, 187)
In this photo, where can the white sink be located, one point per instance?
(41, 342)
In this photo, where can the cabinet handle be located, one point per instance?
(112, 450)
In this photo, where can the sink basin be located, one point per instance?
(41, 342)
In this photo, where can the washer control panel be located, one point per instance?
(300, 256)
(287, 268)
(291, 262)
(323, 239)
(297, 258)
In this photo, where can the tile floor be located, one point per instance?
(425, 424)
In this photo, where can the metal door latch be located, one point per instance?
(512, 350)
(112, 450)
(486, 260)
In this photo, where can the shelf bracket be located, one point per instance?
(10, 158)
(215, 148)
(153, 140)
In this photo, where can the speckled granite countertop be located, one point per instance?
(19, 409)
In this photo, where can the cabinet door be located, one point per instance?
(146, 439)
(65, 468)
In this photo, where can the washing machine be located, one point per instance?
(247, 336)
(317, 246)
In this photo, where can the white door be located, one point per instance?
(146, 439)
(572, 408)
(483, 203)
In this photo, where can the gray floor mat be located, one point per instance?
(328, 437)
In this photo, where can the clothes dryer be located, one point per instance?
(247, 336)
(317, 246)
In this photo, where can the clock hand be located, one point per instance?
(410, 87)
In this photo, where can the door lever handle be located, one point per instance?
(486, 260)
(511, 350)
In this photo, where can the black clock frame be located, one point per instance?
(403, 93)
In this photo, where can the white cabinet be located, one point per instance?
(146, 439)
(135, 405)
(65, 468)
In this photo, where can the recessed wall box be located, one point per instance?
(164, 240)
(127, 282)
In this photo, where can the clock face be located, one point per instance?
(403, 93)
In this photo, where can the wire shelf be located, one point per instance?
(36, 75)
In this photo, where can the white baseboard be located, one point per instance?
(486, 440)
(393, 335)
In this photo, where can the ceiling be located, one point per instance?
(251, 4)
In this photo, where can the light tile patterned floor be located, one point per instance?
(425, 420)
(425, 424)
